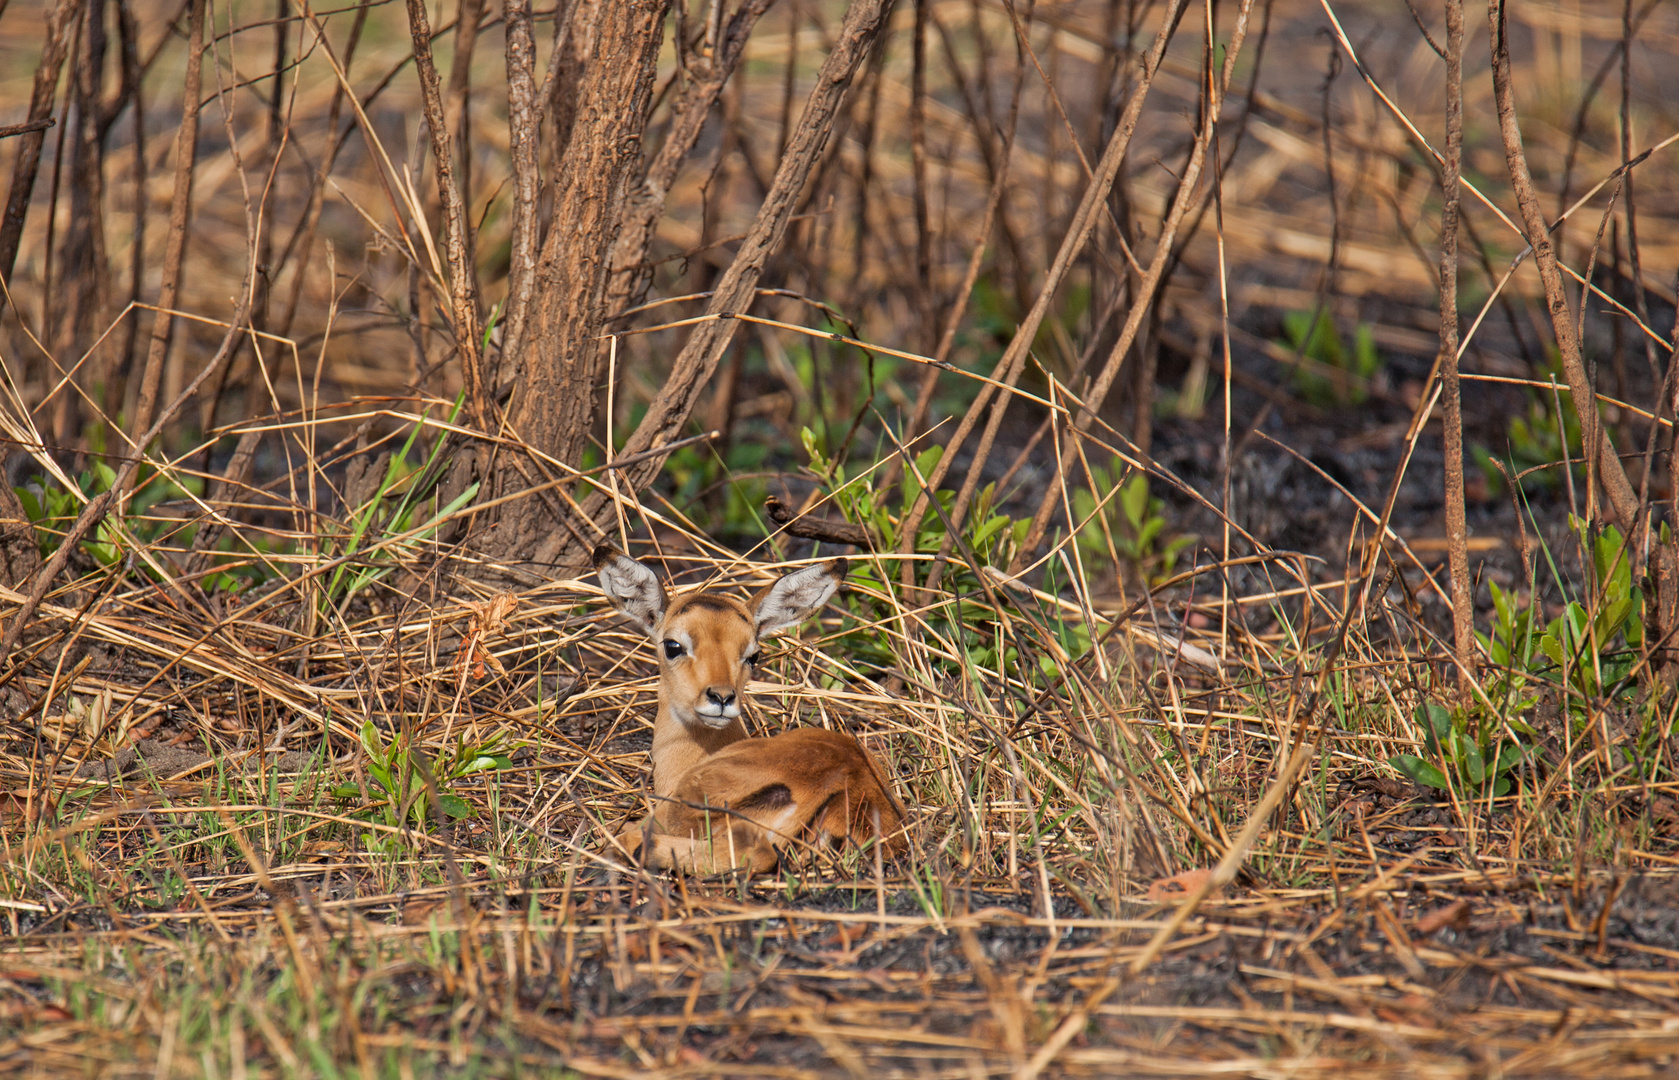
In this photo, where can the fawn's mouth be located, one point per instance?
(715, 716)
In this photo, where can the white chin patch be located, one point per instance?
(716, 715)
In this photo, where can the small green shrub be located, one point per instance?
(52, 510)
(1588, 653)
(706, 489)
(399, 775)
(1597, 648)
(1467, 756)
(1534, 440)
(1532, 443)
(1322, 343)
(967, 619)
(1131, 518)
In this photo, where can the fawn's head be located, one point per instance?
(708, 642)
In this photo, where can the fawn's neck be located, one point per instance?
(678, 747)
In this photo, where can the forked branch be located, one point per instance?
(706, 345)
(647, 201)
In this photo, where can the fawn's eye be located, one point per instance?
(752, 660)
(673, 649)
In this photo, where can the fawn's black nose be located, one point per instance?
(722, 696)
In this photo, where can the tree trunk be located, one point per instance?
(551, 406)
(646, 202)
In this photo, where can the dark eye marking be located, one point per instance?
(673, 649)
(751, 660)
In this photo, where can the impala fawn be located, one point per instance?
(723, 801)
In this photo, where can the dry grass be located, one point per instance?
(1155, 832)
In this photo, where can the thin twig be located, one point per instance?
(61, 19)
(457, 239)
(1457, 530)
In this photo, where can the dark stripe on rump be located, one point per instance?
(774, 797)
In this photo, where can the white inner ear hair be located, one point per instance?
(796, 598)
(633, 590)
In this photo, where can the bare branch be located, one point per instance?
(1623, 501)
(524, 136)
(463, 276)
(1142, 299)
(59, 23)
(180, 204)
(814, 528)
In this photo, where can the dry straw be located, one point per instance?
(309, 765)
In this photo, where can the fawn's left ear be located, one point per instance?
(795, 597)
(632, 588)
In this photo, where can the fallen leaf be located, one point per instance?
(324, 849)
(420, 912)
(1453, 914)
(1177, 886)
(17, 804)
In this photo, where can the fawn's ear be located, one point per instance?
(632, 588)
(795, 597)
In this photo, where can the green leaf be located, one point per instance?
(481, 762)
(1610, 618)
(1134, 498)
(1633, 627)
(986, 531)
(1473, 764)
(1578, 620)
(33, 508)
(1436, 722)
(1495, 649)
(1150, 529)
(454, 805)
(1609, 559)
(1505, 605)
(1419, 770)
(1551, 644)
(817, 462)
(1367, 359)
(105, 547)
(925, 463)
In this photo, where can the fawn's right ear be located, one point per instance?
(632, 588)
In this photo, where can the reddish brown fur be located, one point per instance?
(722, 800)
